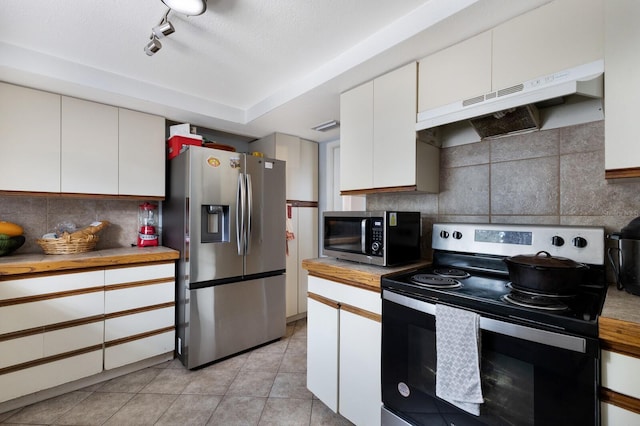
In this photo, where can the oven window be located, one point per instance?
(523, 383)
(506, 381)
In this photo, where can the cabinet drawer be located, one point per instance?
(73, 338)
(28, 287)
(20, 350)
(129, 325)
(136, 350)
(25, 316)
(612, 415)
(135, 297)
(342, 293)
(617, 373)
(24, 382)
(139, 273)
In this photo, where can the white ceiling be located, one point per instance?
(249, 67)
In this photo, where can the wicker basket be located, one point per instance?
(64, 245)
(77, 242)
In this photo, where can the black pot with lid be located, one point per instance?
(627, 267)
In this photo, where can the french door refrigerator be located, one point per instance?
(224, 212)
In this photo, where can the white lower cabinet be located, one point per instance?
(618, 376)
(61, 327)
(343, 349)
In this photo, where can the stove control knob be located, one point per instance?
(579, 242)
(557, 241)
(444, 234)
(457, 235)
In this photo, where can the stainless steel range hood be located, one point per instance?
(515, 109)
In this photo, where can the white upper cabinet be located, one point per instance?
(141, 153)
(378, 146)
(560, 35)
(89, 147)
(466, 67)
(622, 83)
(31, 153)
(356, 138)
(78, 146)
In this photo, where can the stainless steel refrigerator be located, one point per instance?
(224, 212)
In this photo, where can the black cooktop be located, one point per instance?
(490, 292)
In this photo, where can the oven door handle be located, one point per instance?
(563, 341)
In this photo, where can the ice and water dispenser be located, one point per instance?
(215, 224)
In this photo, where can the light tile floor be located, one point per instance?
(265, 386)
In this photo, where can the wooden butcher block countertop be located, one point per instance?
(356, 274)
(619, 323)
(36, 263)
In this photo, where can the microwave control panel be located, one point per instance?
(377, 235)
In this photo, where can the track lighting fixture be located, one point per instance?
(163, 29)
(187, 7)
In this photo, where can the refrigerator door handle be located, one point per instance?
(249, 214)
(240, 208)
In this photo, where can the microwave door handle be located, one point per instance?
(363, 235)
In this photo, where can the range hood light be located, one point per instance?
(187, 7)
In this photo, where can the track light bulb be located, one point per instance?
(163, 29)
(152, 47)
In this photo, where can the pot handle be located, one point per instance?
(546, 253)
(616, 269)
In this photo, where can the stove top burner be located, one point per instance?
(534, 301)
(525, 291)
(451, 273)
(435, 281)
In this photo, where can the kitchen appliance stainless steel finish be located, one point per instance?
(377, 237)
(539, 353)
(627, 262)
(225, 214)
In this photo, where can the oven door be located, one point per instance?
(529, 376)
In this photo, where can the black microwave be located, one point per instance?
(382, 238)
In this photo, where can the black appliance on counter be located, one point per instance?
(539, 353)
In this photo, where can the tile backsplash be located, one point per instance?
(546, 177)
(40, 215)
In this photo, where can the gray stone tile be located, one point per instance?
(523, 219)
(525, 187)
(170, 381)
(276, 347)
(321, 415)
(132, 382)
(290, 385)
(234, 363)
(525, 146)
(294, 362)
(471, 154)
(286, 412)
(424, 203)
(582, 138)
(211, 382)
(190, 410)
(142, 409)
(263, 361)
(252, 383)
(238, 411)
(95, 409)
(583, 188)
(6, 415)
(464, 191)
(48, 411)
(297, 344)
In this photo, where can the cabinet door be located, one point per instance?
(622, 82)
(89, 147)
(307, 249)
(30, 123)
(322, 352)
(360, 358)
(394, 128)
(560, 35)
(293, 263)
(445, 76)
(141, 154)
(305, 181)
(611, 415)
(356, 138)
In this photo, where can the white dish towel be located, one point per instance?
(458, 358)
